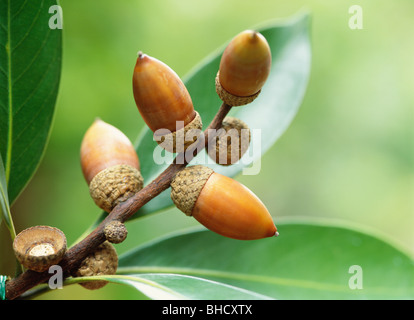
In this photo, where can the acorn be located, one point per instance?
(231, 142)
(221, 204)
(244, 68)
(115, 232)
(103, 261)
(165, 104)
(37, 248)
(110, 165)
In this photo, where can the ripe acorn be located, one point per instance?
(244, 68)
(221, 204)
(37, 248)
(103, 261)
(110, 165)
(165, 104)
(231, 143)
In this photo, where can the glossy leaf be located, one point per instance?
(268, 116)
(30, 65)
(4, 199)
(177, 287)
(307, 261)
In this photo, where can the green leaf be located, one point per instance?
(177, 287)
(307, 261)
(271, 113)
(4, 200)
(30, 66)
(5, 213)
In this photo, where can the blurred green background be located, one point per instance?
(347, 156)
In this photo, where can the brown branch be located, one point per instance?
(122, 212)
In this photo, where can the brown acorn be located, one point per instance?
(164, 103)
(103, 261)
(231, 143)
(244, 68)
(37, 248)
(110, 165)
(221, 204)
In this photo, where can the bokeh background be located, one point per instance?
(348, 154)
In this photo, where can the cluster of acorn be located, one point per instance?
(111, 166)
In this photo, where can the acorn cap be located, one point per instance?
(231, 99)
(115, 232)
(187, 185)
(103, 261)
(37, 248)
(114, 185)
(181, 139)
(222, 149)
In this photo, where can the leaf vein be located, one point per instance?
(30, 28)
(20, 9)
(7, 164)
(35, 56)
(34, 118)
(36, 88)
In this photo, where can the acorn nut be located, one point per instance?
(110, 165)
(103, 261)
(244, 68)
(115, 232)
(231, 142)
(37, 248)
(165, 104)
(221, 204)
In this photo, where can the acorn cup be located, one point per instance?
(115, 232)
(221, 204)
(231, 143)
(110, 165)
(38, 248)
(165, 104)
(244, 68)
(103, 261)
